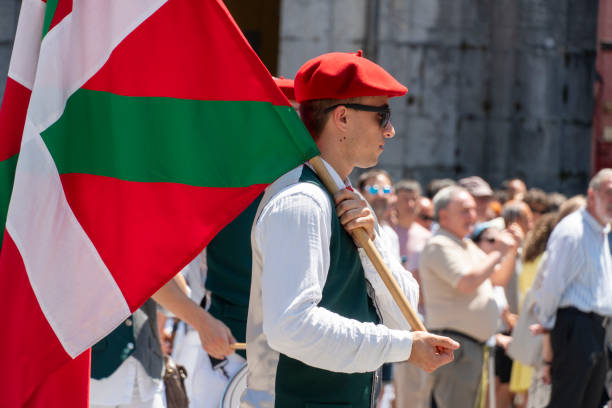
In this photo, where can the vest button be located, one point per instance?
(130, 346)
(128, 322)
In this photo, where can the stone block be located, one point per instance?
(440, 76)
(472, 81)
(9, 11)
(293, 53)
(470, 150)
(501, 87)
(476, 23)
(5, 56)
(306, 19)
(428, 142)
(575, 158)
(542, 23)
(536, 146)
(349, 19)
(406, 63)
(345, 45)
(504, 14)
(577, 87)
(394, 149)
(540, 77)
(497, 141)
(581, 25)
(503, 39)
(408, 20)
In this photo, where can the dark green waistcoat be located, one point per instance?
(228, 278)
(345, 293)
(136, 336)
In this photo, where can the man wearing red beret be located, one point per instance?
(315, 335)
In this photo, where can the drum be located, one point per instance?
(234, 389)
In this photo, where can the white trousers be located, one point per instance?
(158, 400)
(204, 385)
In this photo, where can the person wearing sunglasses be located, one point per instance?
(314, 336)
(425, 213)
(376, 187)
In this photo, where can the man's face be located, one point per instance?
(516, 189)
(602, 201)
(378, 191)
(426, 212)
(407, 203)
(366, 139)
(526, 222)
(482, 206)
(459, 216)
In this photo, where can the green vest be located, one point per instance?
(345, 293)
(136, 336)
(228, 258)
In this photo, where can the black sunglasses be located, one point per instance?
(384, 111)
(426, 217)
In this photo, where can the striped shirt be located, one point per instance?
(577, 271)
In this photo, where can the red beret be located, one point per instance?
(341, 75)
(286, 85)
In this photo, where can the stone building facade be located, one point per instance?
(496, 88)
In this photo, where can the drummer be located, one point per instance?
(314, 331)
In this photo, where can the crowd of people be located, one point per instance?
(320, 327)
(476, 252)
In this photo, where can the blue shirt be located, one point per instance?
(577, 269)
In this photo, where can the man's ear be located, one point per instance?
(340, 117)
(590, 195)
(441, 214)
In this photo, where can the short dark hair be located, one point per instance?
(436, 185)
(514, 211)
(412, 186)
(537, 199)
(313, 113)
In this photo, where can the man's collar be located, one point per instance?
(341, 184)
(452, 236)
(592, 221)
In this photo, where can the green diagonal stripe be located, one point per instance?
(7, 176)
(49, 13)
(199, 143)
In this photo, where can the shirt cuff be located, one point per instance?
(547, 322)
(401, 346)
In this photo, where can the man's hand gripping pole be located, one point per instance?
(362, 238)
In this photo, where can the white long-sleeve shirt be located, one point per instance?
(577, 270)
(290, 240)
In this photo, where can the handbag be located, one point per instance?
(174, 382)
(525, 347)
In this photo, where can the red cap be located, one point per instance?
(341, 75)
(285, 85)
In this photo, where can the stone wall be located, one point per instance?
(497, 88)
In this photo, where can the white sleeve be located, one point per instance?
(391, 313)
(293, 234)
